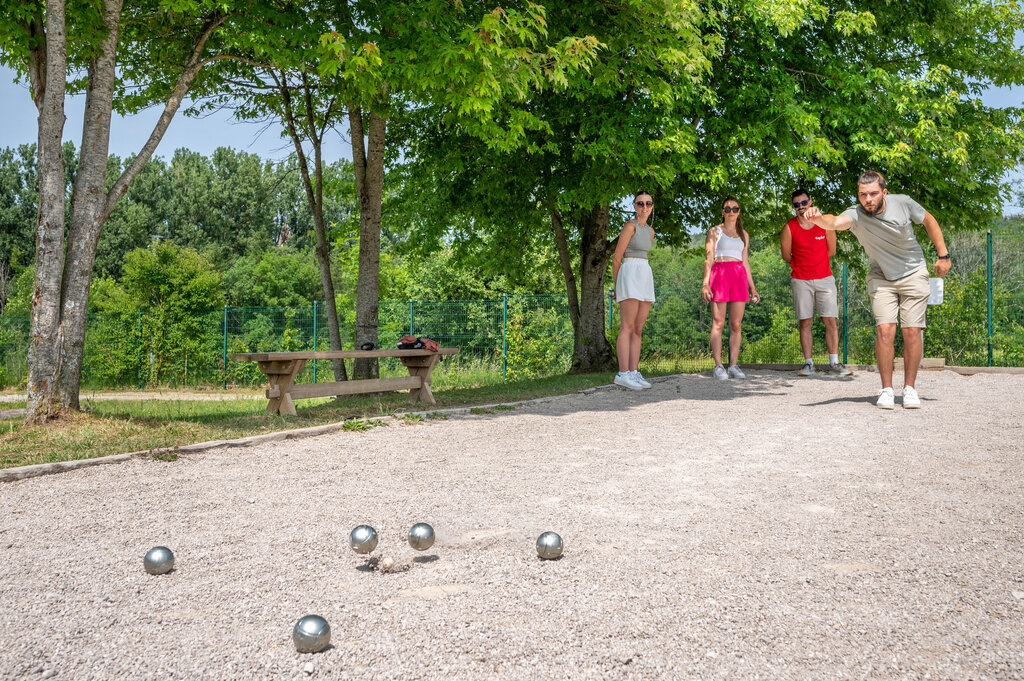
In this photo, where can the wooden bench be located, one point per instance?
(282, 368)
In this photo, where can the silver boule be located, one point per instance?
(363, 539)
(159, 560)
(549, 546)
(421, 536)
(311, 634)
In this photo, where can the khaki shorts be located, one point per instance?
(906, 298)
(808, 293)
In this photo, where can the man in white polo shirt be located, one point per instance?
(898, 278)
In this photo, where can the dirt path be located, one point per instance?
(149, 395)
(775, 528)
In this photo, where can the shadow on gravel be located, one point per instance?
(863, 399)
(696, 387)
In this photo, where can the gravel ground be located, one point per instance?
(777, 528)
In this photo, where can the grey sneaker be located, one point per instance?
(720, 373)
(808, 370)
(886, 399)
(839, 369)
(910, 398)
(625, 379)
(639, 378)
(736, 372)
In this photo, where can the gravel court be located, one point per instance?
(777, 528)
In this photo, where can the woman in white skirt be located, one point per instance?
(634, 291)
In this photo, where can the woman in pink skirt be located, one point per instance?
(728, 285)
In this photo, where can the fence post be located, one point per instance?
(611, 306)
(504, 334)
(412, 318)
(224, 383)
(314, 340)
(140, 349)
(989, 292)
(845, 319)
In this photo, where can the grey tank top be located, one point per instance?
(640, 244)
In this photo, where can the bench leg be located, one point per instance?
(281, 385)
(421, 366)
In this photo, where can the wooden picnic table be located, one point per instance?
(281, 368)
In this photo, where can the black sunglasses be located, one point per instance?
(801, 204)
(644, 203)
(731, 209)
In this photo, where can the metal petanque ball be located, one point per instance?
(159, 560)
(311, 634)
(549, 546)
(363, 539)
(421, 536)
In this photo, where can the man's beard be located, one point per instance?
(872, 212)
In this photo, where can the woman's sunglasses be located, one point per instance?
(731, 209)
(644, 203)
(801, 204)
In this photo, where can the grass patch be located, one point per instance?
(117, 426)
(481, 410)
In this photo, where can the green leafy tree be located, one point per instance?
(735, 98)
(174, 289)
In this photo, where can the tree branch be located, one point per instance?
(189, 72)
(37, 60)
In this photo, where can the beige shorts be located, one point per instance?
(808, 293)
(906, 298)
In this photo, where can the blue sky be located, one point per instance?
(18, 126)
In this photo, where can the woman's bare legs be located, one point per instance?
(736, 309)
(717, 326)
(628, 311)
(643, 309)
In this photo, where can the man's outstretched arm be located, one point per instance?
(833, 222)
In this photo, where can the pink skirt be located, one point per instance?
(729, 282)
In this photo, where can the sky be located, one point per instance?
(203, 135)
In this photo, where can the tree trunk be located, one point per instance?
(49, 64)
(562, 243)
(89, 198)
(368, 161)
(315, 197)
(591, 351)
(61, 296)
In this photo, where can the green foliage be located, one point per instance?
(538, 342)
(278, 277)
(155, 321)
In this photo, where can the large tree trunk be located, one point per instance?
(61, 297)
(591, 351)
(369, 170)
(48, 64)
(89, 198)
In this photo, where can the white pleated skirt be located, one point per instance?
(635, 281)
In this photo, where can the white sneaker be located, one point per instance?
(886, 399)
(626, 381)
(736, 372)
(808, 369)
(720, 373)
(910, 398)
(639, 378)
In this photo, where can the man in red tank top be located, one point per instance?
(807, 248)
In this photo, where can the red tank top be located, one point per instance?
(810, 252)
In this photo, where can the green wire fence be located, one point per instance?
(979, 323)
